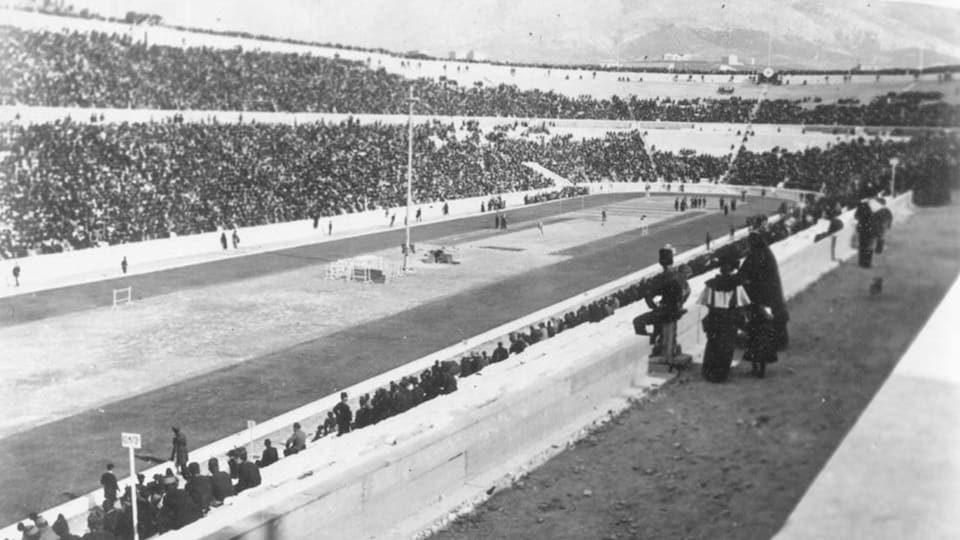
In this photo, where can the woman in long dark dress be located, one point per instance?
(725, 298)
(760, 275)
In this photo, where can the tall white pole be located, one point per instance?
(406, 250)
(893, 176)
(133, 493)
(769, 49)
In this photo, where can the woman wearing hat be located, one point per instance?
(724, 297)
(760, 275)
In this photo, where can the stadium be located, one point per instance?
(418, 278)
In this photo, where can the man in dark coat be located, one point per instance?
(671, 286)
(344, 415)
(199, 487)
(248, 474)
(179, 454)
(882, 221)
(220, 480)
(500, 353)
(178, 508)
(269, 456)
(866, 233)
(518, 345)
(109, 482)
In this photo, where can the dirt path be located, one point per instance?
(731, 461)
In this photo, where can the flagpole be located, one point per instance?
(406, 245)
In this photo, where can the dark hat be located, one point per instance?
(728, 259)
(755, 240)
(666, 255)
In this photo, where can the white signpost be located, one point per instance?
(250, 425)
(131, 441)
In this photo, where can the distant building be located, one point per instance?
(469, 56)
(452, 55)
(730, 60)
(677, 57)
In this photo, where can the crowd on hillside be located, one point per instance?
(69, 185)
(101, 70)
(53, 7)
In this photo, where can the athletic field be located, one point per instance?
(210, 346)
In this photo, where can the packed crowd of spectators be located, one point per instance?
(100, 70)
(70, 185)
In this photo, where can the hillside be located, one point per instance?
(817, 34)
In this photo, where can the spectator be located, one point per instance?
(178, 508)
(343, 414)
(296, 442)
(221, 484)
(724, 297)
(517, 344)
(760, 275)
(43, 527)
(270, 455)
(199, 487)
(62, 529)
(109, 483)
(248, 474)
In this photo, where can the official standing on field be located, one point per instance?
(179, 454)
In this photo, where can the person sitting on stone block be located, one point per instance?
(672, 289)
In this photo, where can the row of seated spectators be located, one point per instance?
(100, 70)
(67, 185)
(162, 505)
